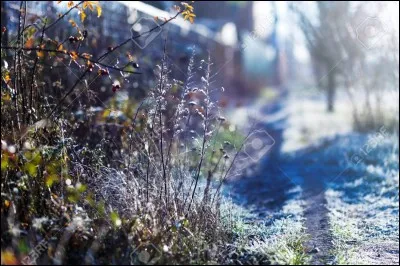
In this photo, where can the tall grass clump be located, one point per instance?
(169, 190)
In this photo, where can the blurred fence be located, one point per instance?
(238, 70)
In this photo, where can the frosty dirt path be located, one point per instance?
(317, 222)
(267, 190)
(311, 169)
(310, 176)
(358, 224)
(316, 212)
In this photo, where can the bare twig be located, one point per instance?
(33, 75)
(63, 15)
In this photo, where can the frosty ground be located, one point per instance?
(325, 195)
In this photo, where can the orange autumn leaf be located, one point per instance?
(8, 258)
(40, 54)
(191, 19)
(188, 13)
(74, 55)
(188, 16)
(60, 48)
(70, 4)
(91, 5)
(82, 15)
(73, 23)
(29, 43)
(88, 4)
(99, 10)
(188, 7)
(7, 78)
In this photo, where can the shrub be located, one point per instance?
(144, 188)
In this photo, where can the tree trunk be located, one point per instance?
(331, 90)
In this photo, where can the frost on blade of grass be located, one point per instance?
(279, 241)
(344, 230)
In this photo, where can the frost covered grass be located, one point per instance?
(300, 133)
(311, 107)
(272, 240)
(364, 210)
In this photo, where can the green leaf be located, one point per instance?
(4, 162)
(31, 169)
(114, 217)
(51, 179)
(81, 188)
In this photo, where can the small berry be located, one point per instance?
(73, 39)
(116, 87)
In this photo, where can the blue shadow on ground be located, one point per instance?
(316, 168)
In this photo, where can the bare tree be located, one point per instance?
(320, 33)
(347, 44)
